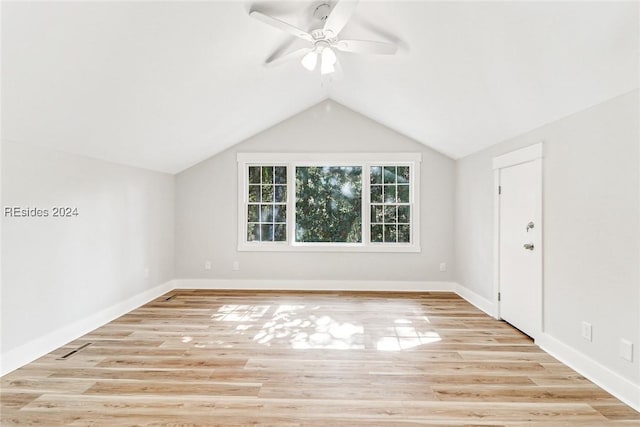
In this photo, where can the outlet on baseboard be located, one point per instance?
(587, 331)
(443, 266)
(207, 265)
(626, 350)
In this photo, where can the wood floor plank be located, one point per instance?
(16, 400)
(174, 388)
(292, 359)
(617, 411)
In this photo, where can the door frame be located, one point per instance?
(531, 153)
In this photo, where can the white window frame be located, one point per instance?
(365, 160)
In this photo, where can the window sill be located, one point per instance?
(319, 247)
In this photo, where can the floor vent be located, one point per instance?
(72, 352)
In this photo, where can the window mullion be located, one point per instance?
(414, 202)
(291, 203)
(366, 204)
(243, 192)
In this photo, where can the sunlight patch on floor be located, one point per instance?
(321, 331)
(405, 337)
(240, 312)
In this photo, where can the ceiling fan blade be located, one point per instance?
(339, 16)
(366, 46)
(278, 58)
(281, 25)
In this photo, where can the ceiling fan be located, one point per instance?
(325, 40)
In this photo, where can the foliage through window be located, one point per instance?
(328, 202)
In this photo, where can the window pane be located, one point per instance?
(376, 194)
(389, 174)
(281, 174)
(404, 233)
(280, 213)
(253, 214)
(376, 233)
(376, 213)
(389, 214)
(403, 174)
(280, 193)
(254, 174)
(389, 193)
(266, 232)
(328, 204)
(404, 214)
(254, 193)
(376, 175)
(267, 175)
(267, 193)
(266, 213)
(253, 232)
(403, 193)
(389, 233)
(280, 233)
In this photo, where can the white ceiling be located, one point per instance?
(164, 85)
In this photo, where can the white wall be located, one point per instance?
(591, 218)
(59, 271)
(206, 208)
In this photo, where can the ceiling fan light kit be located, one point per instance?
(310, 60)
(329, 59)
(325, 40)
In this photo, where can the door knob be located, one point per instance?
(528, 246)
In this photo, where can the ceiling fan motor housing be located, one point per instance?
(321, 13)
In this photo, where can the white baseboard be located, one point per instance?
(315, 285)
(620, 387)
(32, 350)
(474, 299)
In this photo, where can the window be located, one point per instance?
(328, 202)
(267, 204)
(390, 204)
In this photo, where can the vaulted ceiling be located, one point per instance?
(163, 85)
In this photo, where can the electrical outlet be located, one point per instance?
(626, 350)
(146, 272)
(587, 331)
(207, 265)
(235, 266)
(443, 266)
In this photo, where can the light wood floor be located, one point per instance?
(202, 358)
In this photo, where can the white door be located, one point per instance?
(520, 246)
